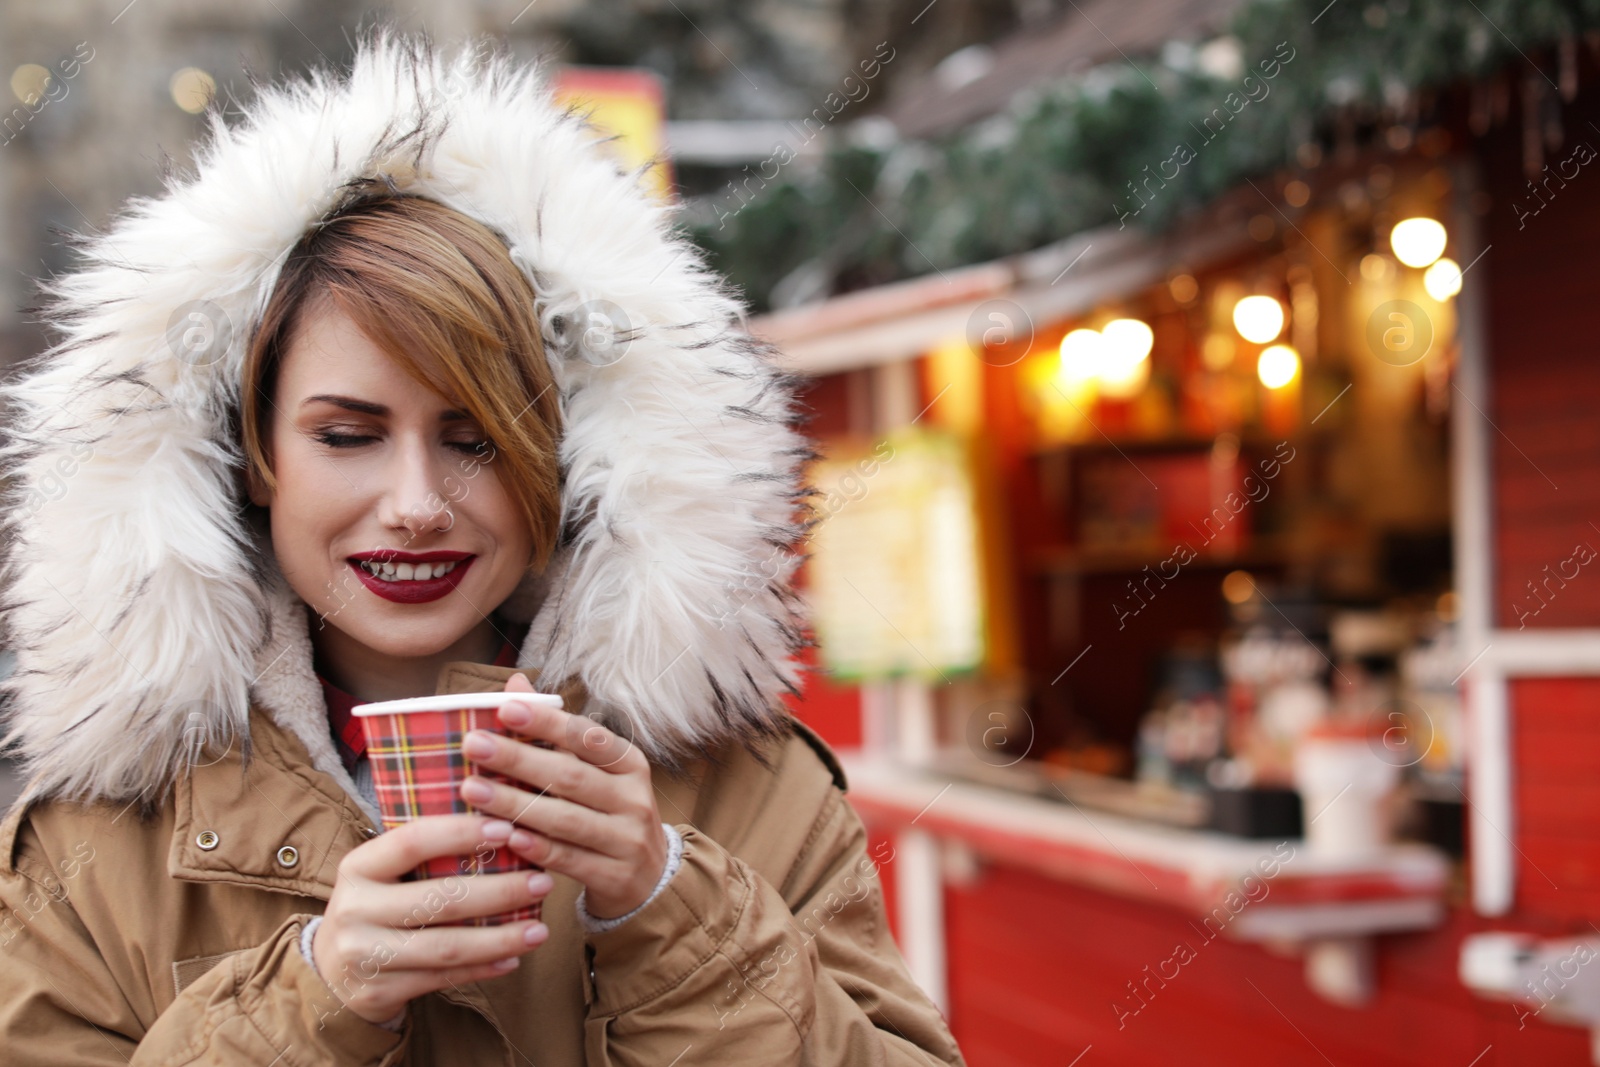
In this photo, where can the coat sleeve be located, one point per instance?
(61, 1004)
(719, 965)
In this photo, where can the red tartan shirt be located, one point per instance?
(348, 735)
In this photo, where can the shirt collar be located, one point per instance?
(348, 735)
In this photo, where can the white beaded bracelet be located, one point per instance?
(674, 858)
(310, 931)
(589, 922)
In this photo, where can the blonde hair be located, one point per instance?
(439, 293)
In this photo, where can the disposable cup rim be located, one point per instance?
(452, 701)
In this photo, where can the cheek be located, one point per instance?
(312, 506)
(496, 515)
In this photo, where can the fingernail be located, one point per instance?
(499, 828)
(508, 964)
(478, 745)
(478, 792)
(540, 883)
(516, 714)
(522, 839)
(535, 933)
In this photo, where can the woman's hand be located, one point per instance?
(591, 813)
(381, 942)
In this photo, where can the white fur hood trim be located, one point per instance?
(145, 610)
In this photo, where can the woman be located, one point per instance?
(408, 391)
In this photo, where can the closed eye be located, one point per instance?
(342, 440)
(481, 449)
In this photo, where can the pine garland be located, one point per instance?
(1138, 141)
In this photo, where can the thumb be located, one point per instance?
(518, 683)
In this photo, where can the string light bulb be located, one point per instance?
(1259, 319)
(1277, 366)
(1125, 346)
(1443, 279)
(1419, 241)
(1081, 357)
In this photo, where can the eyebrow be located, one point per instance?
(367, 407)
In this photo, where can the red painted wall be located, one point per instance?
(1036, 967)
(1555, 744)
(833, 711)
(1541, 266)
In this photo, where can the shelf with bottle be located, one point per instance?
(1360, 717)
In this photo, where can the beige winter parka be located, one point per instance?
(173, 939)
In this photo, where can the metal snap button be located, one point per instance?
(288, 855)
(207, 840)
(369, 832)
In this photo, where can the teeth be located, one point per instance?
(407, 572)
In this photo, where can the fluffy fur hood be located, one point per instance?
(146, 611)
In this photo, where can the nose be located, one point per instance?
(412, 500)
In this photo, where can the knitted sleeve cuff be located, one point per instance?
(308, 932)
(674, 858)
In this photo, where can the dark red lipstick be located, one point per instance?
(391, 564)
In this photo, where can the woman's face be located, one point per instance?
(388, 519)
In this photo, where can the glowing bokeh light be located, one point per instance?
(1278, 366)
(1258, 319)
(1443, 279)
(1418, 242)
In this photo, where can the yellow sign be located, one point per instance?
(628, 105)
(895, 576)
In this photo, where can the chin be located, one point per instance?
(424, 633)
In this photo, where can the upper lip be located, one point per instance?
(400, 555)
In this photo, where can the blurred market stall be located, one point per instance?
(1216, 570)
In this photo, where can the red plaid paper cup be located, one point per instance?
(414, 747)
